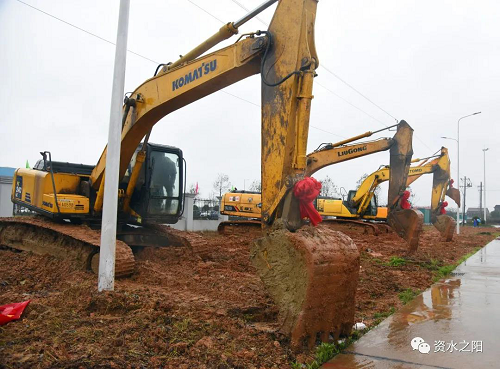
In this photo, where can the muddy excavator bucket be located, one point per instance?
(312, 275)
(454, 194)
(445, 225)
(406, 222)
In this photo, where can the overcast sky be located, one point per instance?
(427, 62)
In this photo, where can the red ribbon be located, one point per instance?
(443, 206)
(306, 191)
(12, 311)
(405, 204)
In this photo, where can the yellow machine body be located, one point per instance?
(241, 204)
(33, 189)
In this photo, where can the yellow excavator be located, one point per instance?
(248, 204)
(311, 273)
(361, 203)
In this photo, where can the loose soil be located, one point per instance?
(190, 307)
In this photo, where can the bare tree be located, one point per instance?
(221, 184)
(413, 197)
(192, 188)
(328, 188)
(256, 186)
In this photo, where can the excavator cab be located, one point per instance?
(370, 210)
(159, 188)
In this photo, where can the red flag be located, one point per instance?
(12, 311)
(196, 189)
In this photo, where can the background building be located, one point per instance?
(6, 206)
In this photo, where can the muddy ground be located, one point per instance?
(199, 307)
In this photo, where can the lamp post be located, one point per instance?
(458, 154)
(458, 183)
(484, 181)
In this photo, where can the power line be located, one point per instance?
(352, 87)
(83, 30)
(347, 102)
(210, 14)
(156, 63)
(248, 10)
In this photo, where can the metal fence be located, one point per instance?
(206, 209)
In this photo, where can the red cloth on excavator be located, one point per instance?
(443, 206)
(405, 204)
(306, 191)
(11, 312)
(451, 183)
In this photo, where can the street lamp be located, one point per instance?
(458, 160)
(484, 188)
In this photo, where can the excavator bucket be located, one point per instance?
(454, 194)
(446, 226)
(312, 275)
(406, 222)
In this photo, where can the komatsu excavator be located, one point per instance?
(310, 273)
(360, 203)
(409, 226)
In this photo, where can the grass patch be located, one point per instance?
(325, 352)
(407, 295)
(396, 261)
(445, 270)
(384, 314)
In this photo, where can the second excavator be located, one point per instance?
(406, 222)
(360, 203)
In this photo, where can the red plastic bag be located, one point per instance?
(306, 191)
(405, 204)
(11, 312)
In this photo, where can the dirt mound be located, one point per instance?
(189, 307)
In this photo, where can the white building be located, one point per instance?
(6, 206)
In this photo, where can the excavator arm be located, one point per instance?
(176, 88)
(406, 222)
(439, 167)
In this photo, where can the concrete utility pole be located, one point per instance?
(484, 189)
(467, 184)
(106, 281)
(480, 197)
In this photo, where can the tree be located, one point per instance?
(413, 198)
(328, 188)
(221, 184)
(256, 186)
(192, 189)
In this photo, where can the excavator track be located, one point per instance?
(235, 226)
(78, 242)
(367, 225)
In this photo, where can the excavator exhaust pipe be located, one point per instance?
(312, 276)
(445, 225)
(407, 223)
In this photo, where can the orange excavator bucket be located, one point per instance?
(406, 222)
